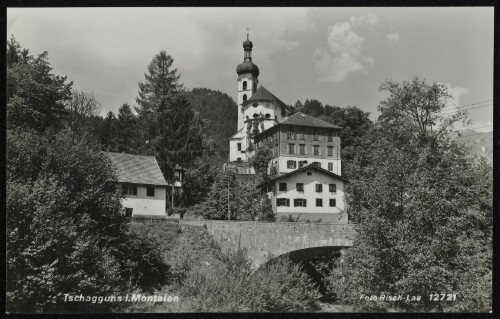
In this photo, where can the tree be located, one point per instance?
(80, 108)
(260, 161)
(180, 137)
(36, 98)
(421, 202)
(109, 133)
(128, 130)
(240, 193)
(66, 229)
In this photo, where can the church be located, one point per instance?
(305, 169)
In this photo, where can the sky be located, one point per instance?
(339, 56)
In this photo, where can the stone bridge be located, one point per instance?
(266, 240)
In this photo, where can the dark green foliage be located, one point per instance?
(229, 285)
(260, 161)
(199, 179)
(355, 125)
(35, 97)
(128, 131)
(109, 133)
(424, 208)
(62, 214)
(221, 112)
(246, 202)
(160, 86)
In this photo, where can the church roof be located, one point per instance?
(137, 169)
(262, 94)
(308, 167)
(302, 119)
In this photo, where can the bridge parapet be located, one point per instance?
(263, 240)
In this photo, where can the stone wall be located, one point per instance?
(265, 240)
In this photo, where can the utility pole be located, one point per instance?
(228, 211)
(173, 181)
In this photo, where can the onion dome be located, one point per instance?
(247, 44)
(248, 67)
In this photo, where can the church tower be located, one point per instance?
(248, 74)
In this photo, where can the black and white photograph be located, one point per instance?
(249, 159)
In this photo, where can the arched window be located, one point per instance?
(255, 105)
(244, 85)
(256, 115)
(244, 97)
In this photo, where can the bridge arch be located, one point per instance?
(265, 240)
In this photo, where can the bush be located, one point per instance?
(229, 285)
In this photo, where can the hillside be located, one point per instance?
(479, 143)
(221, 111)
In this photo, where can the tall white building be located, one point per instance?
(305, 168)
(258, 109)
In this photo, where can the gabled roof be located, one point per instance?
(262, 94)
(308, 167)
(237, 135)
(302, 119)
(137, 169)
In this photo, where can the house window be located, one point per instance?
(332, 188)
(283, 113)
(309, 173)
(291, 135)
(244, 85)
(244, 98)
(282, 187)
(239, 146)
(333, 202)
(276, 150)
(319, 188)
(319, 202)
(150, 191)
(316, 136)
(317, 164)
(302, 149)
(128, 211)
(255, 104)
(316, 149)
(129, 190)
(330, 166)
(330, 150)
(291, 148)
(299, 202)
(282, 202)
(255, 115)
(302, 164)
(330, 138)
(300, 136)
(268, 116)
(300, 187)
(238, 159)
(254, 86)
(291, 164)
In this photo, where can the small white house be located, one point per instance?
(311, 192)
(141, 181)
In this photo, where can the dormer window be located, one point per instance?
(244, 85)
(268, 115)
